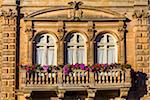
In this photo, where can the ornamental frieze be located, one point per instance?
(9, 14)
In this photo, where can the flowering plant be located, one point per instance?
(70, 68)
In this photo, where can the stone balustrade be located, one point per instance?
(78, 78)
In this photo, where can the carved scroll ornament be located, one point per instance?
(9, 14)
(75, 13)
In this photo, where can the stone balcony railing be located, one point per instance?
(115, 79)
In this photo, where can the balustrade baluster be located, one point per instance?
(46, 78)
(122, 76)
(106, 75)
(71, 78)
(35, 78)
(67, 79)
(54, 78)
(31, 78)
(118, 76)
(28, 78)
(75, 77)
(103, 78)
(99, 77)
(110, 76)
(115, 80)
(42, 78)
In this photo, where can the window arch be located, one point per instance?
(45, 50)
(75, 49)
(105, 49)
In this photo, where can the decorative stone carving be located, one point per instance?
(91, 30)
(140, 14)
(91, 93)
(30, 32)
(124, 92)
(60, 94)
(122, 31)
(75, 13)
(9, 14)
(61, 30)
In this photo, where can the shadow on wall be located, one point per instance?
(139, 87)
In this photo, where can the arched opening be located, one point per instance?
(105, 49)
(44, 50)
(75, 49)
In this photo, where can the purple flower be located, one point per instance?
(45, 67)
(66, 70)
(76, 65)
(82, 66)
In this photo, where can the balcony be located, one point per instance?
(78, 80)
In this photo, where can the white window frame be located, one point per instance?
(45, 46)
(105, 45)
(74, 45)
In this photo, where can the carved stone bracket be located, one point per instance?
(124, 92)
(75, 13)
(91, 30)
(10, 14)
(27, 95)
(61, 30)
(30, 32)
(91, 93)
(60, 94)
(122, 31)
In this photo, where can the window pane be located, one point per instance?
(40, 56)
(100, 56)
(50, 56)
(70, 56)
(111, 55)
(80, 55)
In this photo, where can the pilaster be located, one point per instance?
(91, 32)
(61, 34)
(142, 39)
(30, 33)
(8, 53)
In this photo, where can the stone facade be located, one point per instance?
(22, 21)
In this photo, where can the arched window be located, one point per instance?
(45, 50)
(75, 49)
(105, 49)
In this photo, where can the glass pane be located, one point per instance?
(50, 40)
(100, 55)
(80, 39)
(111, 55)
(80, 55)
(110, 39)
(70, 55)
(50, 56)
(40, 56)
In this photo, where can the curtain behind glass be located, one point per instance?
(100, 55)
(70, 55)
(111, 55)
(50, 56)
(80, 55)
(40, 59)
